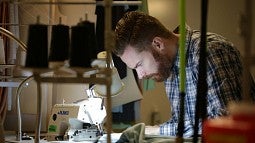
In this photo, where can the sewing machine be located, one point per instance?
(81, 121)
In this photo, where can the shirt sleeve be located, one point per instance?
(170, 128)
(223, 77)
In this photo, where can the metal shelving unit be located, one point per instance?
(82, 75)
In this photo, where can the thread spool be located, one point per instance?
(37, 46)
(83, 44)
(59, 48)
(92, 38)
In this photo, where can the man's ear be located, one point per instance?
(157, 43)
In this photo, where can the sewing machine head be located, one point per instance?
(78, 121)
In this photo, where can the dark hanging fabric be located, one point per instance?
(92, 37)
(131, 7)
(37, 46)
(60, 42)
(117, 13)
(83, 45)
(100, 28)
(120, 66)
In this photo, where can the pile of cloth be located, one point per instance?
(136, 134)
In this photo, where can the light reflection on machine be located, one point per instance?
(81, 121)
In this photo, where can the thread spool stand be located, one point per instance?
(77, 75)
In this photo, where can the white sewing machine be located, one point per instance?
(81, 121)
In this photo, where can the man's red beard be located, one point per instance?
(164, 65)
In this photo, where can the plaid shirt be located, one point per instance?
(224, 69)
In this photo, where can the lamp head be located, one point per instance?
(117, 85)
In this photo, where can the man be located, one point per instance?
(145, 45)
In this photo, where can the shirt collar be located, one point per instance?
(175, 67)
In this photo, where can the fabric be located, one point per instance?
(83, 52)
(136, 134)
(37, 46)
(117, 13)
(224, 69)
(60, 41)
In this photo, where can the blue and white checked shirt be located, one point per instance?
(224, 70)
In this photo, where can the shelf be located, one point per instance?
(4, 66)
(9, 80)
(11, 76)
(114, 3)
(9, 84)
(72, 75)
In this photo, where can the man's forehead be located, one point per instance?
(130, 57)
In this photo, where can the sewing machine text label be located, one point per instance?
(63, 112)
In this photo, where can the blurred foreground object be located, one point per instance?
(239, 127)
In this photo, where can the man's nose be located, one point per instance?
(140, 74)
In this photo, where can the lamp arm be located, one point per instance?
(12, 36)
(18, 93)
